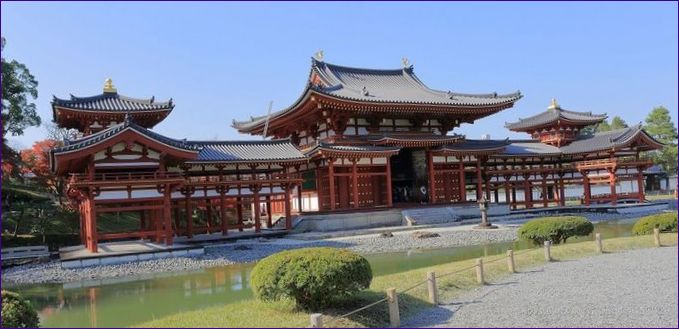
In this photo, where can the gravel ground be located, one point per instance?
(629, 289)
(249, 251)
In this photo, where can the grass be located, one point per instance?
(253, 313)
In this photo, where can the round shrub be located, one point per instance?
(313, 277)
(17, 312)
(666, 222)
(555, 229)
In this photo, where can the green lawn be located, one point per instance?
(253, 313)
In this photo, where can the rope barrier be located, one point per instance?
(337, 318)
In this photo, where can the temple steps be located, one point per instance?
(426, 216)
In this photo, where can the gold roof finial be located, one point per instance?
(319, 55)
(553, 105)
(108, 86)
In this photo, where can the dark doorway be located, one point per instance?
(402, 177)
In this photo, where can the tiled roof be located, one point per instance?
(396, 86)
(112, 102)
(351, 148)
(470, 145)
(72, 145)
(554, 114)
(247, 151)
(421, 137)
(530, 147)
(393, 86)
(607, 140)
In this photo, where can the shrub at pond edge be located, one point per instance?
(313, 277)
(555, 229)
(666, 222)
(17, 312)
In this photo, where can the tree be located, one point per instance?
(618, 123)
(659, 125)
(36, 160)
(602, 127)
(18, 86)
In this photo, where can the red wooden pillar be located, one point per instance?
(545, 203)
(527, 192)
(507, 200)
(90, 224)
(463, 183)
(588, 192)
(614, 194)
(83, 224)
(513, 197)
(562, 192)
(288, 213)
(189, 217)
(142, 220)
(239, 212)
(331, 182)
(640, 183)
(388, 183)
(354, 181)
(432, 177)
(255, 200)
(479, 180)
(167, 216)
(269, 221)
(223, 221)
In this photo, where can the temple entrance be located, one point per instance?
(409, 176)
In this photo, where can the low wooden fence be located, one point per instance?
(391, 298)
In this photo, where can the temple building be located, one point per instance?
(356, 139)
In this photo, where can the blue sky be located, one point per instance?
(220, 61)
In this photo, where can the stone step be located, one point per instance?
(425, 216)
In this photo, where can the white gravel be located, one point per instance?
(629, 289)
(246, 251)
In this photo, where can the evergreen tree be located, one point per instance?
(659, 125)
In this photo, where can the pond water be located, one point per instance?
(114, 303)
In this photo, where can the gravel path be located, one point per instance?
(630, 289)
(247, 251)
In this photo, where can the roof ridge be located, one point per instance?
(224, 142)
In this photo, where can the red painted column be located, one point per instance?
(545, 203)
(93, 238)
(562, 192)
(167, 217)
(588, 192)
(255, 200)
(331, 182)
(388, 183)
(208, 213)
(288, 213)
(269, 220)
(354, 182)
(432, 177)
(299, 198)
(189, 218)
(222, 212)
(463, 183)
(614, 194)
(83, 223)
(640, 183)
(527, 192)
(142, 220)
(479, 180)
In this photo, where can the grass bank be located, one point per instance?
(253, 313)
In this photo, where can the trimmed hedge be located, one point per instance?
(313, 277)
(53, 241)
(17, 312)
(555, 229)
(666, 222)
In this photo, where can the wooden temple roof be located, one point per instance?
(553, 115)
(281, 150)
(612, 140)
(399, 87)
(321, 149)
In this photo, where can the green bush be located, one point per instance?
(17, 312)
(555, 229)
(666, 222)
(313, 277)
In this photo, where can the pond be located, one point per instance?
(120, 303)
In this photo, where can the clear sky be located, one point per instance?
(221, 61)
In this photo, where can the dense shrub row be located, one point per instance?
(666, 222)
(313, 277)
(53, 241)
(555, 229)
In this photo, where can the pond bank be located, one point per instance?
(246, 251)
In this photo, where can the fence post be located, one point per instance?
(599, 245)
(548, 252)
(656, 236)
(394, 317)
(316, 320)
(431, 286)
(510, 261)
(479, 271)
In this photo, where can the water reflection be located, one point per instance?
(129, 301)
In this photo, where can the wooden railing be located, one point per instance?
(120, 177)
